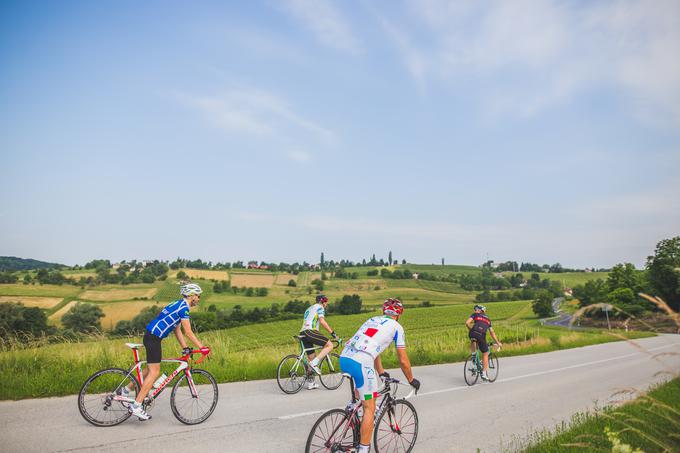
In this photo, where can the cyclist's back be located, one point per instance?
(168, 318)
(373, 337)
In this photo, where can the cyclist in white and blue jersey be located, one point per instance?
(172, 318)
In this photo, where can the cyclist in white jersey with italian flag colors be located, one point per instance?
(361, 359)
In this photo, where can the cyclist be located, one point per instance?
(173, 317)
(478, 323)
(361, 359)
(315, 315)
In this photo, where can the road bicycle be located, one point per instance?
(102, 400)
(294, 370)
(474, 366)
(395, 431)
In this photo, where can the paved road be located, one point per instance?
(532, 392)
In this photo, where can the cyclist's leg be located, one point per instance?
(317, 339)
(367, 423)
(484, 348)
(152, 344)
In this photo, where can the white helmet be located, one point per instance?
(190, 289)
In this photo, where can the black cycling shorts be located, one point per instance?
(152, 344)
(480, 339)
(311, 338)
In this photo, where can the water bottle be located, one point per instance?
(159, 381)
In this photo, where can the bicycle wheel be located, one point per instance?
(331, 374)
(397, 428)
(493, 367)
(290, 374)
(193, 409)
(96, 401)
(470, 371)
(332, 432)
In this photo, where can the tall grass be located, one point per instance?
(651, 423)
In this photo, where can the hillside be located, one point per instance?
(13, 263)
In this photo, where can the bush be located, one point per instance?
(542, 306)
(292, 283)
(16, 319)
(83, 318)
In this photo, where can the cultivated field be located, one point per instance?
(33, 301)
(205, 274)
(118, 311)
(283, 279)
(108, 295)
(252, 280)
(56, 316)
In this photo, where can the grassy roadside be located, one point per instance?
(434, 335)
(650, 423)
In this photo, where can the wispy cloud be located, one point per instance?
(298, 156)
(531, 55)
(257, 113)
(327, 22)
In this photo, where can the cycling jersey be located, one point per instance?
(374, 336)
(360, 352)
(482, 323)
(312, 316)
(168, 318)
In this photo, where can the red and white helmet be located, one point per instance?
(393, 307)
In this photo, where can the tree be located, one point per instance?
(542, 306)
(292, 283)
(15, 318)
(663, 271)
(83, 318)
(348, 305)
(322, 262)
(624, 276)
(592, 292)
(389, 258)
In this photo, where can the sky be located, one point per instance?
(539, 131)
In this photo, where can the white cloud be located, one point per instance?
(530, 55)
(326, 22)
(298, 156)
(258, 113)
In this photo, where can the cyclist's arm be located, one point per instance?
(493, 335)
(404, 364)
(377, 364)
(325, 325)
(469, 323)
(186, 324)
(180, 337)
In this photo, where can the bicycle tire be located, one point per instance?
(397, 428)
(470, 372)
(331, 380)
(331, 422)
(493, 367)
(96, 406)
(186, 402)
(293, 374)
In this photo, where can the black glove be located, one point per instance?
(334, 335)
(186, 351)
(415, 383)
(384, 375)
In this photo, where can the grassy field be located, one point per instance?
(571, 279)
(433, 335)
(651, 423)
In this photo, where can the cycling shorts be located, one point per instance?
(152, 344)
(364, 375)
(311, 338)
(480, 339)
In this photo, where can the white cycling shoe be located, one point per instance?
(484, 377)
(311, 384)
(139, 412)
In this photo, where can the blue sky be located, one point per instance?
(537, 131)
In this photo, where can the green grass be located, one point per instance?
(441, 270)
(433, 335)
(650, 422)
(568, 279)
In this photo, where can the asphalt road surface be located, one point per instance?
(532, 392)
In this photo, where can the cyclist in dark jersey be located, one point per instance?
(478, 323)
